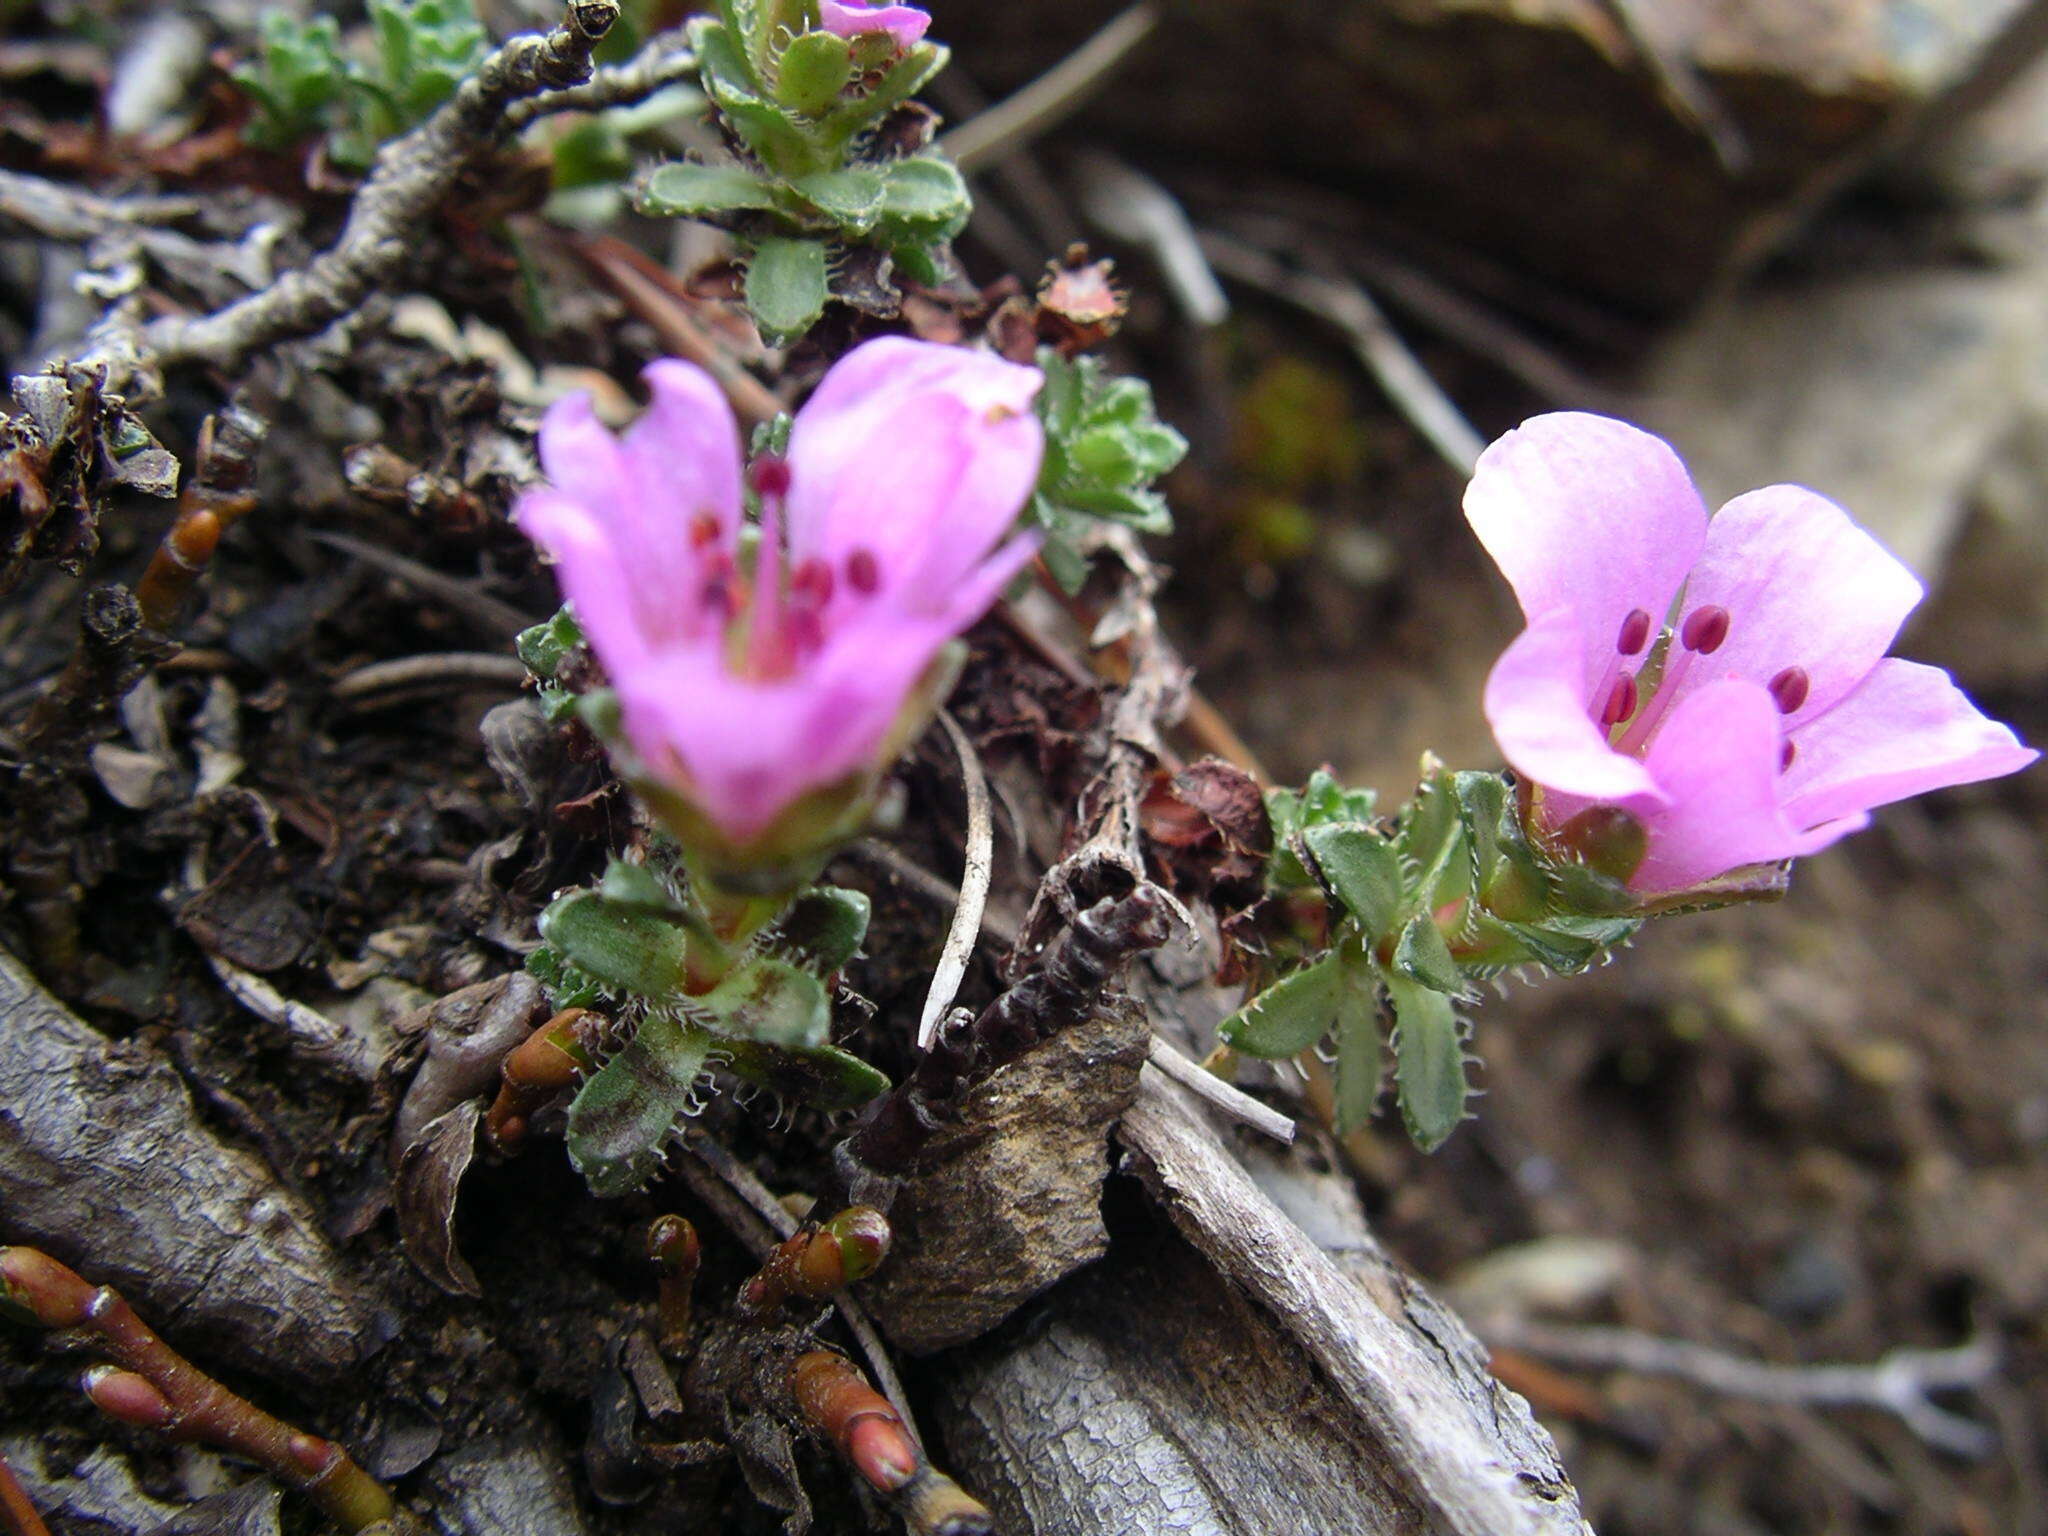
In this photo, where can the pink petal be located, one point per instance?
(645, 492)
(1587, 516)
(1716, 760)
(1536, 704)
(1804, 587)
(979, 589)
(1905, 730)
(749, 749)
(904, 23)
(685, 448)
(919, 454)
(593, 576)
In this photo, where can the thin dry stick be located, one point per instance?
(980, 865)
(412, 176)
(1684, 88)
(440, 669)
(1130, 206)
(1207, 1086)
(1377, 345)
(490, 615)
(1900, 1383)
(1016, 120)
(16, 1512)
(650, 292)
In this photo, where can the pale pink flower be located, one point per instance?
(746, 682)
(1724, 681)
(904, 23)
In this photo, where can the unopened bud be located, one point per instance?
(1607, 839)
(862, 1235)
(37, 1289)
(128, 1397)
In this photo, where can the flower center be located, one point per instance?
(1701, 633)
(775, 618)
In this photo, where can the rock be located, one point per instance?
(1890, 393)
(1008, 1202)
(105, 1163)
(1533, 130)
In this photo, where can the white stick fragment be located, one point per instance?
(314, 1036)
(1015, 121)
(1130, 206)
(1210, 1088)
(981, 848)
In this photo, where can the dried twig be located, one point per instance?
(881, 858)
(979, 865)
(1130, 206)
(413, 175)
(1684, 88)
(1015, 121)
(1902, 1383)
(1377, 345)
(438, 669)
(664, 60)
(652, 293)
(1210, 1088)
(314, 1036)
(490, 615)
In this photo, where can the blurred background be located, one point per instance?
(1804, 239)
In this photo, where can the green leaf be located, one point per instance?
(772, 1002)
(566, 986)
(722, 56)
(634, 888)
(624, 947)
(899, 82)
(685, 189)
(1103, 446)
(786, 287)
(1434, 843)
(814, 69)
(1422, 955)
(923, 200)
(850, 198)
(1429, 1062)
(1289, 1016)
(825, 1077)
(1358, 1046)
(545, 646)
(821, 930)
(630, 1106)
(1359, 865)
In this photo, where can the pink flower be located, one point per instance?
(747, 681)
(904, 23)
(1763, 720)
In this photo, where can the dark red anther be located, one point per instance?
(1635, 633)
(704, 530)
(769, 476)
(1785, 755)
(1705, 629)
(862, 571)
(810, 584)
(1621, 701)
(1790, 688)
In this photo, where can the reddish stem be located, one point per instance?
(16, 1512)
(158, 1388)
